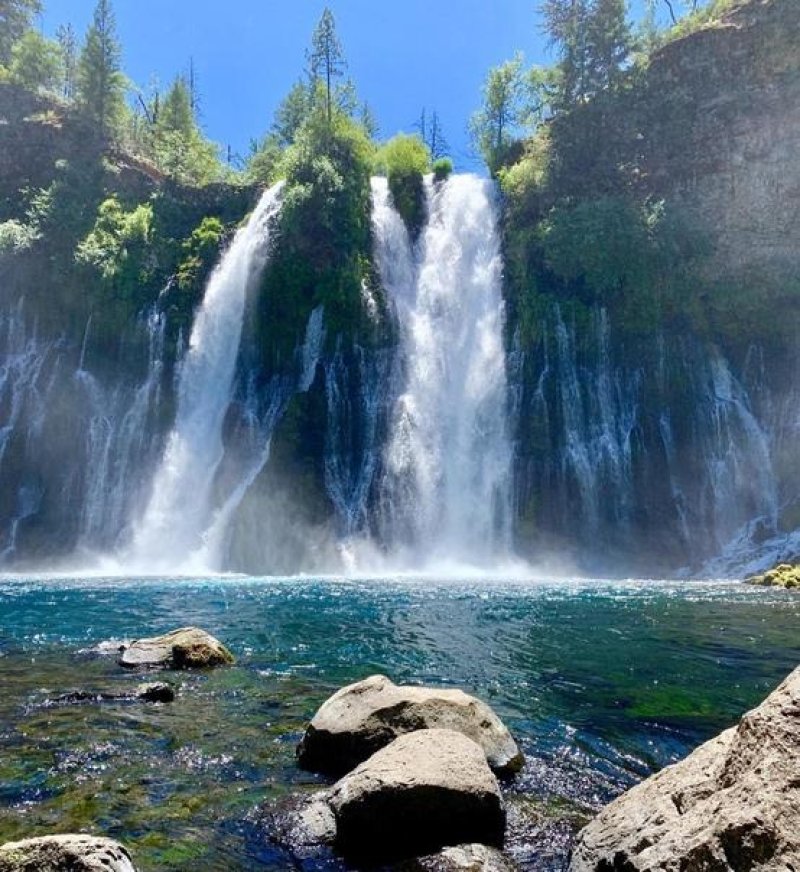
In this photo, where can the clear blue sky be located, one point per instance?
(402, 55)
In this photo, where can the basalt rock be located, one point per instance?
(734, 804)
(186, 648)
(65, 853)
(364, 717)
(426, 790)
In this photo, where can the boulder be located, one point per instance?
(783, 575)
(187, 648)
(364, 717)
(426, 790)
(733, 804)
(461, 858)
(152, 691)
(155, 691)
(65, 853)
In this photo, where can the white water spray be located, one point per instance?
(180, 510)
(448, 458)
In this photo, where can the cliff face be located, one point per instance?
(725, 134)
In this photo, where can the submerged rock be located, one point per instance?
(65, 853)
(426, 790)
(186, 648)
(364, 717)
(783, 575)
(461, 858)
(152, 691)
(733, 804)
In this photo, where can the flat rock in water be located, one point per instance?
(187, 648)
(364, 717)
(426, 790)
(461, 858)
(65, 853)
(733, 804)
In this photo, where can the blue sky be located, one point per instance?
(402, 55)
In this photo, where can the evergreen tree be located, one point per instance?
(368, 121)
(101, 84)
(195, 98)
(593, 41)
(291, 114)
(326, 59)
(15, 19)
(68, 43)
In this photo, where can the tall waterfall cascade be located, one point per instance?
(445, 497)
(180, 513)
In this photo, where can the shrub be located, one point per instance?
(404, 160)
(442, 169)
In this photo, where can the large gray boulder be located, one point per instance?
(65, 853)
(734, 804)
(364, 717)
(186, 648)
(425, 791)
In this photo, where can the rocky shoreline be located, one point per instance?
(423, 777)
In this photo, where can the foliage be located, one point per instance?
(15, 20)
(199, 251)
(116, 247)
(16, 236)
(324, 237)
(495, 125)
(404, 160)
(264, 161)
(36, 63)
(179, 148)
(101, 84)
(291, 114)
(442, 168)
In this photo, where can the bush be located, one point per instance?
(442, 169)
(16, 237)
(404, 160)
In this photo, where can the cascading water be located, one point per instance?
(180, 508)
(446, 493)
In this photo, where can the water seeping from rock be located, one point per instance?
(445, 493)
(180, 507)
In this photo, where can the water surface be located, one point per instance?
(601, 682)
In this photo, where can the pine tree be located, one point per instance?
(326, 59)
(67, 41)
(15, 19)
(493, 126)
(101, 84)
(437, 144)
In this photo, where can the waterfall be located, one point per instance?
(446, 493)
(180, 506)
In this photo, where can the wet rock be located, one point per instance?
(186, 648)
(305, 826)
(733, 804)
(65, 853)
(426, 790)
(783, 575)
(366, 716)
(155, 691)
(461, 858)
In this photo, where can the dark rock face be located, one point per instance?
(731, 805)
(426, 790)
(186, 648)
(65, 853)
(366, 716)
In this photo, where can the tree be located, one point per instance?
(68, 43)
(593, 41)
(437, 144)
(195, 97)
(368, 121)
(15, 19)
(101, 84)
(291, 114)
(326, 59)
(35, 62)
(494, 125)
